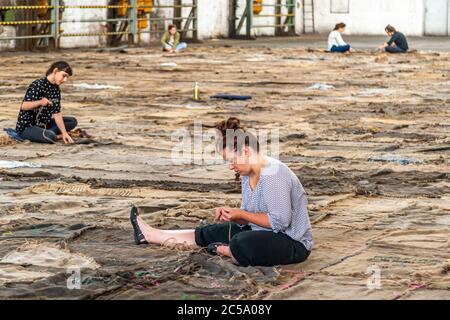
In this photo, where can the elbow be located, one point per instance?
(285, 223)
(25, 106)
(278, 223)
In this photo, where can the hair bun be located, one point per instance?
(232, 123)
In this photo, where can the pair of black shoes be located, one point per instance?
(139, 237)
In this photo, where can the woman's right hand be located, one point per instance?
(45, 102)
(219, 212)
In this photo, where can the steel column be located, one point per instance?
(54, 41)
(133, 23)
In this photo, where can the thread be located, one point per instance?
(42, 125)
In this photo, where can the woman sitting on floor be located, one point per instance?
(272, 225)
(40, 118)
(397, 43)
(171, 40)
(335, 41)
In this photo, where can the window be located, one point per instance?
(340, 6)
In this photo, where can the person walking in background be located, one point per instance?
(397, 43)
(335, 41)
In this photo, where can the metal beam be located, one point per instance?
(178, 12)
(133, 36)
(54, 41)
(278, 30)
(247, 17)
(232, 7)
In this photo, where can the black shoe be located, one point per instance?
(138, 235)
(212, 247)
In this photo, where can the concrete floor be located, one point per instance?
(316, 41)
(320, 41)
(367, 210)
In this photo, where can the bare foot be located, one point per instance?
(226, 252)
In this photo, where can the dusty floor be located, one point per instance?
(359, 42)
(73, 210)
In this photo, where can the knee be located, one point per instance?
(74, 121)
(49, 136)
(71, 122)
(240, 250)
(200, 237)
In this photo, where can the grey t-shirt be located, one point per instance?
(279, 194)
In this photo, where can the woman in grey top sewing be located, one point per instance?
(272, 225)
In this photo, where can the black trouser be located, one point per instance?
(392, 49)
(253, 248)
(48, 135)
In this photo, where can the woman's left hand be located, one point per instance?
(67, 138)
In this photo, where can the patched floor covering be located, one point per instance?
(367, 209)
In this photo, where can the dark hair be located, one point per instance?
(339, 26)
(61, 66)
(390, 28)
(233, 136)
(171, 26)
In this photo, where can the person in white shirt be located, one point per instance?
(335, 41)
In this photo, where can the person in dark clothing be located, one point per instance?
(397, 43)
(40, 119)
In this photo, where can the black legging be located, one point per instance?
(48, 135)
(392, 49)
(253, 248)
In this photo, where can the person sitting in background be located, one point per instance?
(40, 118)
(397, 43)
(171, 40)
(335, 41)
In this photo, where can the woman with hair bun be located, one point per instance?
(335, 41)
(272, 225)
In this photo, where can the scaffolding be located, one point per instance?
(184, 16)
(134, 22)
(126, 20)
(254, 11)
(308, 16)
